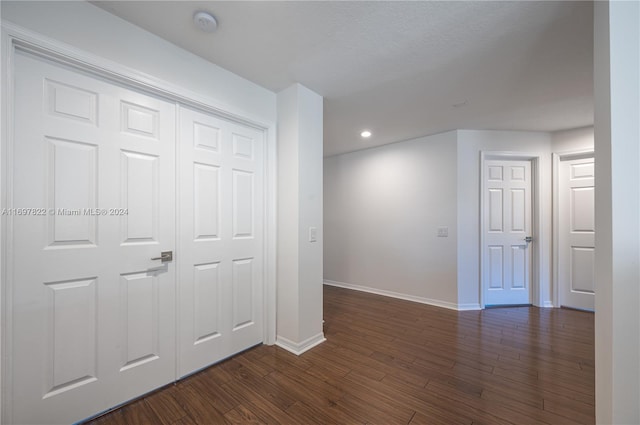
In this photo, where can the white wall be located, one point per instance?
(617, 263)
(299, 277)
(470, 144)
(383, 207)
(578, 139)
(94, 30)
(382, 210)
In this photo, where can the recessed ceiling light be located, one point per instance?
(205, 21)
(366, 134)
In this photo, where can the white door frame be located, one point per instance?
(535, 295)
(16, 38)
(555, 248)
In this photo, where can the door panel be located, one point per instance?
(518, 214)
(582, 209)
(582, 270)
(139, 177)
(76, 192)
(519, 269)
(221, 253)
(207, 305)
(507, 221)
(206, 181)
(72, 320)
(576, 233)
(496, 267)
(139, 317)
(93, 317)
(495, 210)
(242, 282)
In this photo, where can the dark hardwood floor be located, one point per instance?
(389, 361)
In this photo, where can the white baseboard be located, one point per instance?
(406, 297)
(469, 307)
(298, 348)
(547, 304)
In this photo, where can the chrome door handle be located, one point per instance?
(528, 239)
(164, 256)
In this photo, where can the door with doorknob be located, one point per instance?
(507, 232)
(576, 232)
(93, 282)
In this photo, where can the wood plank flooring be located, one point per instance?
(389, 361)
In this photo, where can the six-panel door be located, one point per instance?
(507, 222)
(93, 317)
(221, 248)
(577, 233)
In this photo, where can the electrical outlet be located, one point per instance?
(443, 232)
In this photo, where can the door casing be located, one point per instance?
(17, 38)
(536, 219)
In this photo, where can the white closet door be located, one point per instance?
(93, 317)
(221, 250)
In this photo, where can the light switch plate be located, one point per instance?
(313, 234)
(443, 232)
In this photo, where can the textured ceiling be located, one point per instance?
(401, 69)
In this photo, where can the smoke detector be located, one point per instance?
(205, 21)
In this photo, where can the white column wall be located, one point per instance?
(299, 269)
(617, 263)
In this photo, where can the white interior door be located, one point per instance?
(506, 225)
(92, 316)
(576, 233)
(222, 243)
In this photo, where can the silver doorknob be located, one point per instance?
(528, 239)
(164, 256)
